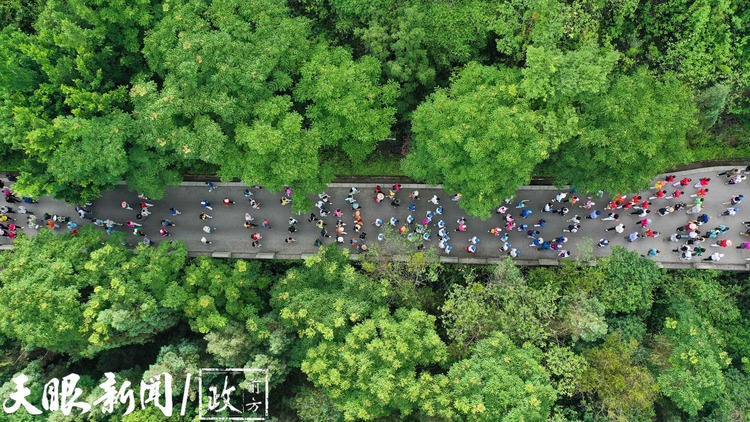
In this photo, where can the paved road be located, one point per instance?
(231, 237)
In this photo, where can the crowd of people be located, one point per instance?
(517, 226)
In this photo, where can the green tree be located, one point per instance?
(87, 290)
(323, 299)
(219, 67)
(583, 318)
(565, 367)
(487, 385)
(480, 137)
(128, 287)
(505, 303)
(694, 375)
(698, 321)
(376, 369)
(711, 102)
(313, 405)
(696, 39)
(735, 401)
(628, 134)
(347, 106)
(629, 281)
(213, 293)
(68, 81)
(561, 76)
(623, 389)
(178, 360)
(20, 13)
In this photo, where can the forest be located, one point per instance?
(379, 340)
(479, 95)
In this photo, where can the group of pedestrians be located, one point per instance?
(699, 235)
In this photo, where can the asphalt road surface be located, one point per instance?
(230, 235)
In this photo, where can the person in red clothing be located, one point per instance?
(723, 243)
(700, 194)
(645, 205)
(659, 194)
(676, 194)
(684, 182)
(702, 183)
(670, 178)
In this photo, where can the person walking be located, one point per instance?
(722, 243)
(731, 211)
(730, 173)
(206, 205)
(702, 192)
(659, 194)
(620, 228)
(653, 252)
(715, 257)
(695, 209)
(594, 215)
(735, 200)
(611, 217)
(205, 241)
(572, 228)
(684, 182)
(702, 183)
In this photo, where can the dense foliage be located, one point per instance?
(485, 94)
(414, 340)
